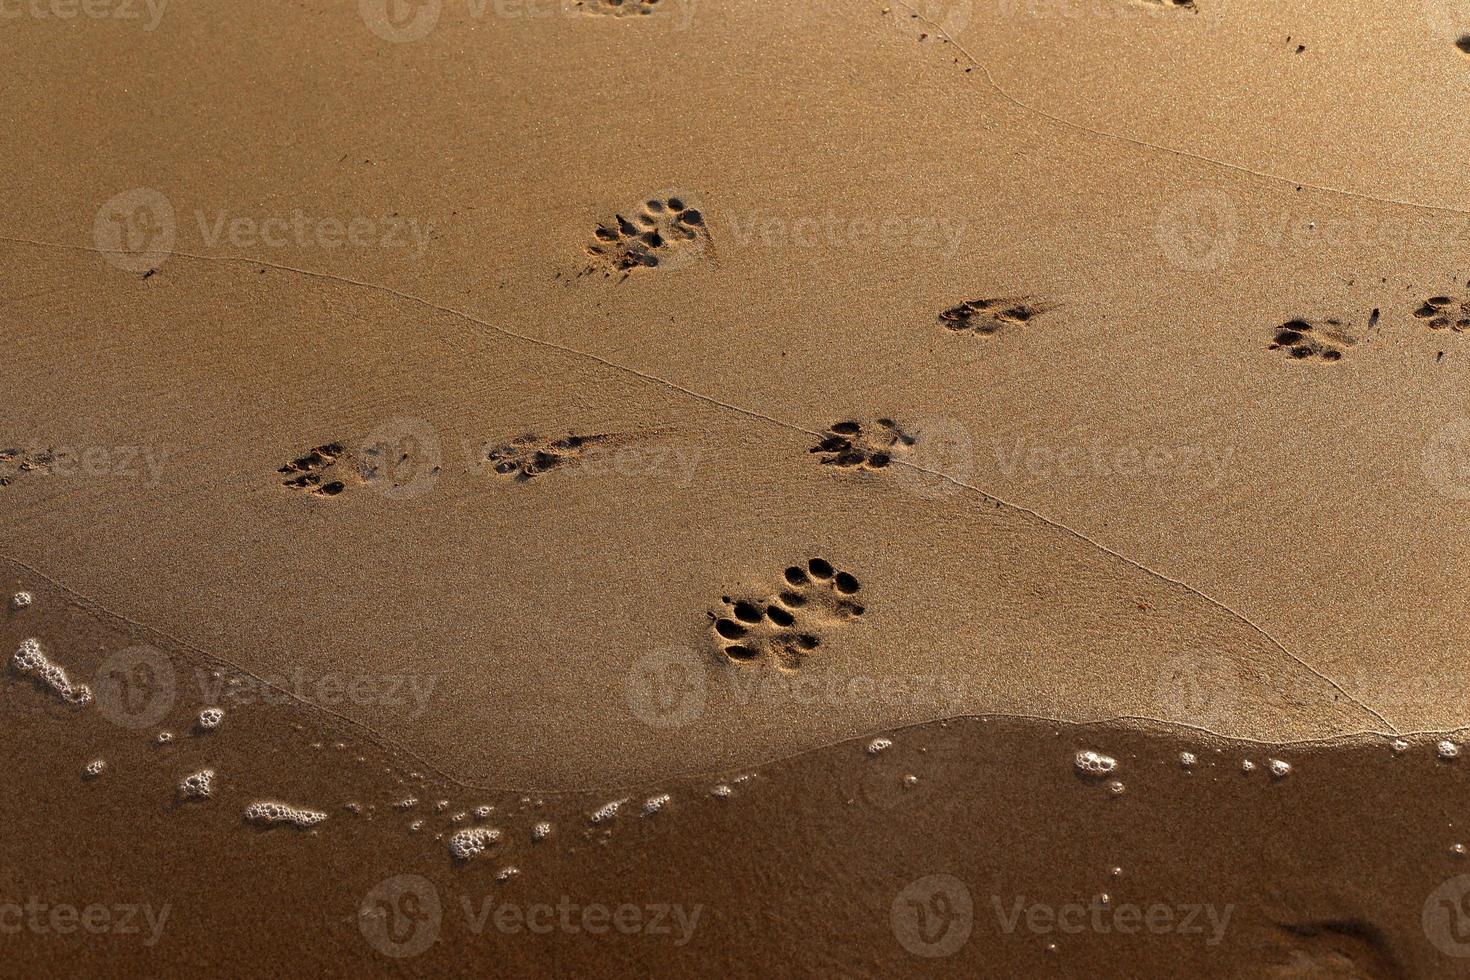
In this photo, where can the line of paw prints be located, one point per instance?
(529, 456)
(1304, 339)
(788, 626)
(661, 230)
(990, 316)
(1446, 313)
(849, 446)
(16, 463)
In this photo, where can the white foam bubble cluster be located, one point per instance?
(1247, 766)
(1188, 759)
(507, 873)
(607, 811)
(198, 786)
(21, 600)
(1280, 768)
(271, 811)
(879, 745)
(31, 659)
(723, 791)
(407, 803)
(1400, 745)
(94, 768)
(1094, 763)
(165, 737)
(1448, 750)
(210, 718)
(655, 803)
(466, 843)
(483, 811)
(541, 831)
(1117, 788)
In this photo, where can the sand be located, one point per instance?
(455, 377)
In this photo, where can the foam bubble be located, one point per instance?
(541, 831)
(466, 843)
(199, 786)
(1188, 759)
(31, 659)
(607, 811)
(94, 768)
(21, 600)
(655, 803)
(210, 718)
(1448, 750)
(1117, 788)
(165, 737)
(723, 791)
(1247, 766)
(273, 812)
(879, 744)
(483, 811)
(407, 803)
(1400, 745)
(1094, 763)
(507, 873)
(1458, 850)
(1280, 768)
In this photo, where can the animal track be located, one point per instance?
(618, 8)
(1302, 339)
(529, 456)
(990, 316)
(16, 463)
(789, 625)
(1446, 313)
(847, 445)
(661, 232)
(321, 471)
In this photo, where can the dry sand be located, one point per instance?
(456, 376)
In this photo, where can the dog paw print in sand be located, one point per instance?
(853, 445)
(789, 625)
(991, 316)
(1446, 313)
(619, 8)
(16, 464)
(1306, 339)
(323, 472)
(529, 456)
(661, 233)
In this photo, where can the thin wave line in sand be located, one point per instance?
(752, 413)
(1159, 147)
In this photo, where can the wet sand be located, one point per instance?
(577, 404)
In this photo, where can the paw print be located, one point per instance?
(848, 446)
(1445, 313)
(1302, 339)
(16, 463)
(662, 232)
(990, 316)
(789, 625)
(529, 456)
(317, 470)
